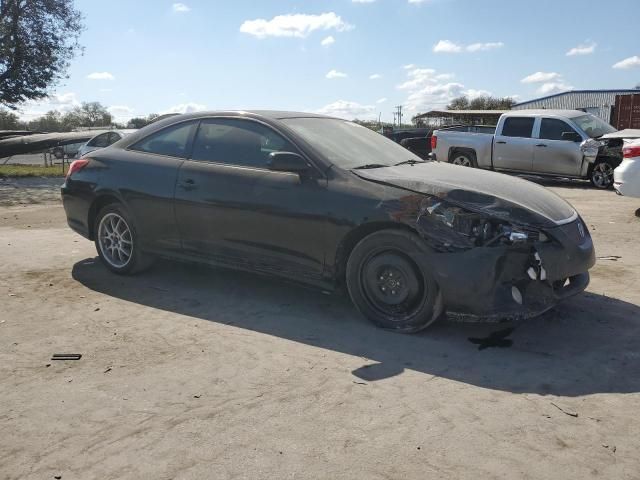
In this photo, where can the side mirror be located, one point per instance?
(287, 162)
(571, 137)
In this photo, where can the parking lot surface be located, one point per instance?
(190, 372)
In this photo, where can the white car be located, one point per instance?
(103, 140)
(626, 177)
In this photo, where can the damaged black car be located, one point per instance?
(327, 202)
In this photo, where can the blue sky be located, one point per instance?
(343, 57)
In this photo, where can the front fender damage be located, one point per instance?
(493, 281)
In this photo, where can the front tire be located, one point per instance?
(117, 241)
(601, 174)
(390, 284)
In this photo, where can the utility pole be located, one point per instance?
(399, 114)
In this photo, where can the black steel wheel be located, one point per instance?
(389, 282)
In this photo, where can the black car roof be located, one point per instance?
(272, 114)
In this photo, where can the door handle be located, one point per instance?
(188, 184)
(502, 142)
(540, 145)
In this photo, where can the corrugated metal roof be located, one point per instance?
(596, 102)
(461, 112)
(621, 91)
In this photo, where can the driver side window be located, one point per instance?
(552, 129)
(237, 142)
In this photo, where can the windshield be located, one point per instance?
(349, 145)
(593, 126)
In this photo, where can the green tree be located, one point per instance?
(140, 122)
(9, 120)
(49, 122)
(38, 39)
(89, 114)
(485, 102)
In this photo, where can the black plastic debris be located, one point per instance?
(496, 339)
(66, 356)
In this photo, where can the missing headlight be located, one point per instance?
(469, 229)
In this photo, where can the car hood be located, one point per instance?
(494, 194)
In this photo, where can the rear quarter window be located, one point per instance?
(521, 127)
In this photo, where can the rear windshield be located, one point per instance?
(593, 126)
(347, 144)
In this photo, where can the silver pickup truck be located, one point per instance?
(561, 143)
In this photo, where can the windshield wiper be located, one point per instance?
(370, 165)
(410, 162)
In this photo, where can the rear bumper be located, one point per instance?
(76, 206)
(626, 178)
(514, 282)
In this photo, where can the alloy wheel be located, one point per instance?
(602, 175)
(461, 160)
(115, 240)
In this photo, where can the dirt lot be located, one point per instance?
(194, 373)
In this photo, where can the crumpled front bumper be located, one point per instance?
(517, 281)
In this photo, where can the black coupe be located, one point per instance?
(327, 202)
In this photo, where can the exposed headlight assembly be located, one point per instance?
(473, 229)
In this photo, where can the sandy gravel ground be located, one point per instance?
(191, 373)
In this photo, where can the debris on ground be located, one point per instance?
(566, 412)
(613, 258)
(495, 339)
(66, 356)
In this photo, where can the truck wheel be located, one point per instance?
(601, 174)
(460, 157)
(390, 283)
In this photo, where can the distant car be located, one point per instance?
(68, 151)
(421, 146)
(103, 140)
(627, 175)
(329, 202)
(400, 134)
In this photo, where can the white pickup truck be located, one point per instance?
(563, 143)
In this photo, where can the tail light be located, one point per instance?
(434, 142)
(76, 166)
(631, 152)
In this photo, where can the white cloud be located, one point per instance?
(328, 41)
(554, 87)
(348, 110)
(447, 46)
(473, 93)
(336, 74)
(363, 1)
(417, 2)
(180, 8)
(582, 49)
(427, 89)
(121, 113)
(409, 66)
(628, 63)
(294, 25)
(375, 76)
(540, 77)
(381, 100)
(36, 108)
(185, 108)
(483, 47)
(101, 76)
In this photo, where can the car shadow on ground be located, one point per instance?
(589, 344)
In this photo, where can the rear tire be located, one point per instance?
(117, 241)
(463, 158)
(390, 284)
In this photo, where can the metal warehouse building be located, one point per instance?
(597, 102)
